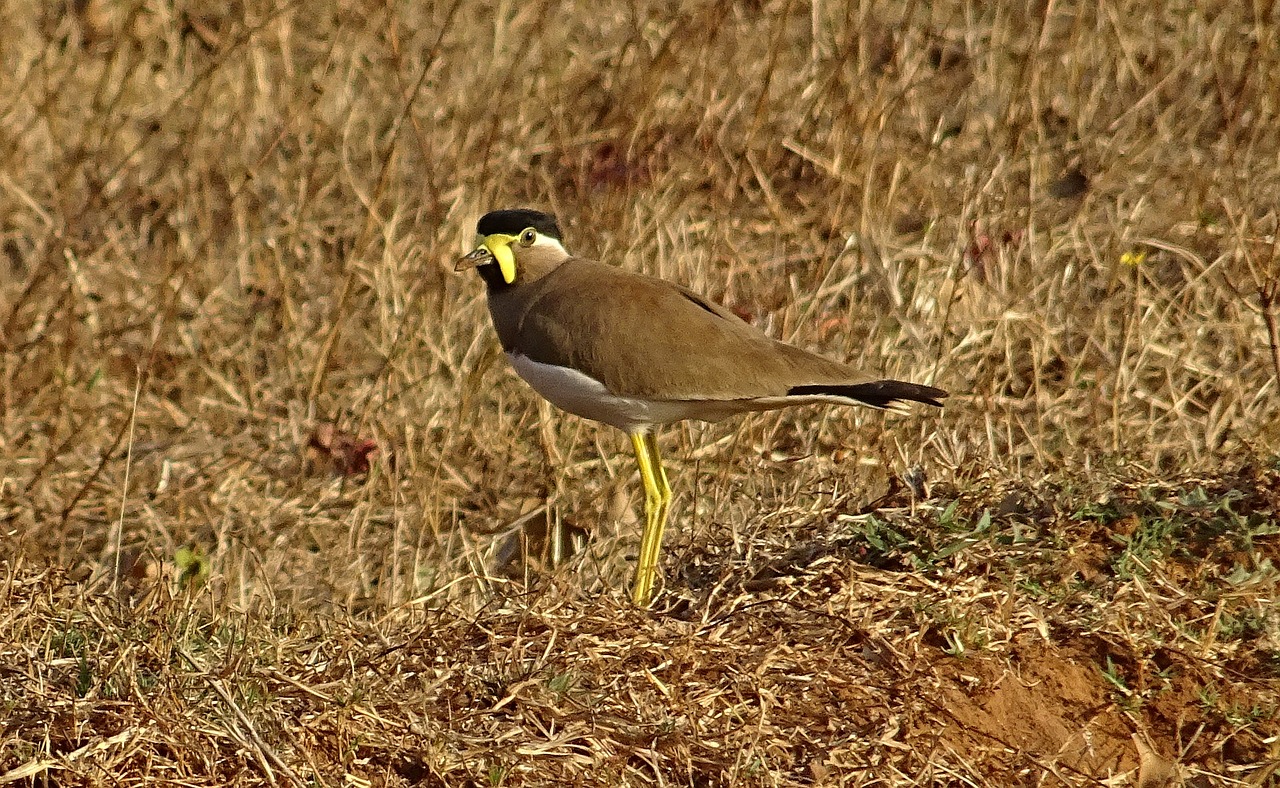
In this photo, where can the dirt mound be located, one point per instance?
(1047, 705)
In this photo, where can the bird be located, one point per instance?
(637, 352)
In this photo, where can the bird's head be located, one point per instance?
(514, 244)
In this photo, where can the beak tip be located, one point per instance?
(472, 259)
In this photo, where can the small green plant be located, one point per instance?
(1238, 715)
(1098, 511)
(561, 683)
(192, 565)
(1244, 625)
(1209, 697)
(877, 543)
(948, 517)
(69, 642)
(882, 536)
(1111, 672)
(84, 676)
(1152, 539)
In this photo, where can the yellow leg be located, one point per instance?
(657, 499)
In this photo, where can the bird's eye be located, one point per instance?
(528, 236)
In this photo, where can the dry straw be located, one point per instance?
(275, 513)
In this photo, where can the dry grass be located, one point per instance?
(227, 226)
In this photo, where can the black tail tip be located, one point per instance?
(878, 393)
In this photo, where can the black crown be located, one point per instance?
(513, 221)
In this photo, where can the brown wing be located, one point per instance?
(645, 337)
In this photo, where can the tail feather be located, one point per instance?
(877, 393)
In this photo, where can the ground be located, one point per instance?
(275, 511)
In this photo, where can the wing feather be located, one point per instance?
(645, 337)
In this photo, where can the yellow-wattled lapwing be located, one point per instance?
(637, 352)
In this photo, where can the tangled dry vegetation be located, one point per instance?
(275, 513)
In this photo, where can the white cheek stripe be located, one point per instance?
(546, 240)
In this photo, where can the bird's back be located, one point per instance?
(647, 338)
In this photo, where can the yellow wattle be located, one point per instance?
(500, 247)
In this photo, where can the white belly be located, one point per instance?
(585, 396)
(582, 395)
